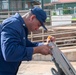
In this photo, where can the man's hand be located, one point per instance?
(50, 39)
(44, 49)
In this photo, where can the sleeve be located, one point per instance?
(33, 44)
(12, 48)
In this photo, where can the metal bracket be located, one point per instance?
(62, 64)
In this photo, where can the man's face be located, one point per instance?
(34, 23)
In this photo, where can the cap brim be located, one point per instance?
(44, 27)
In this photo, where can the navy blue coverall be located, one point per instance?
(15, 46)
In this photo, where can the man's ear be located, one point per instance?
(32, 17)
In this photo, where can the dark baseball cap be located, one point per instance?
(40, 15)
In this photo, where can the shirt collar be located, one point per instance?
(18, 16)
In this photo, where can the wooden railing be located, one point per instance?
(64, 37)
(6, 14)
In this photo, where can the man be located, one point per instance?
(15, 46)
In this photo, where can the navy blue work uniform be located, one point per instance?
(15, 46)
